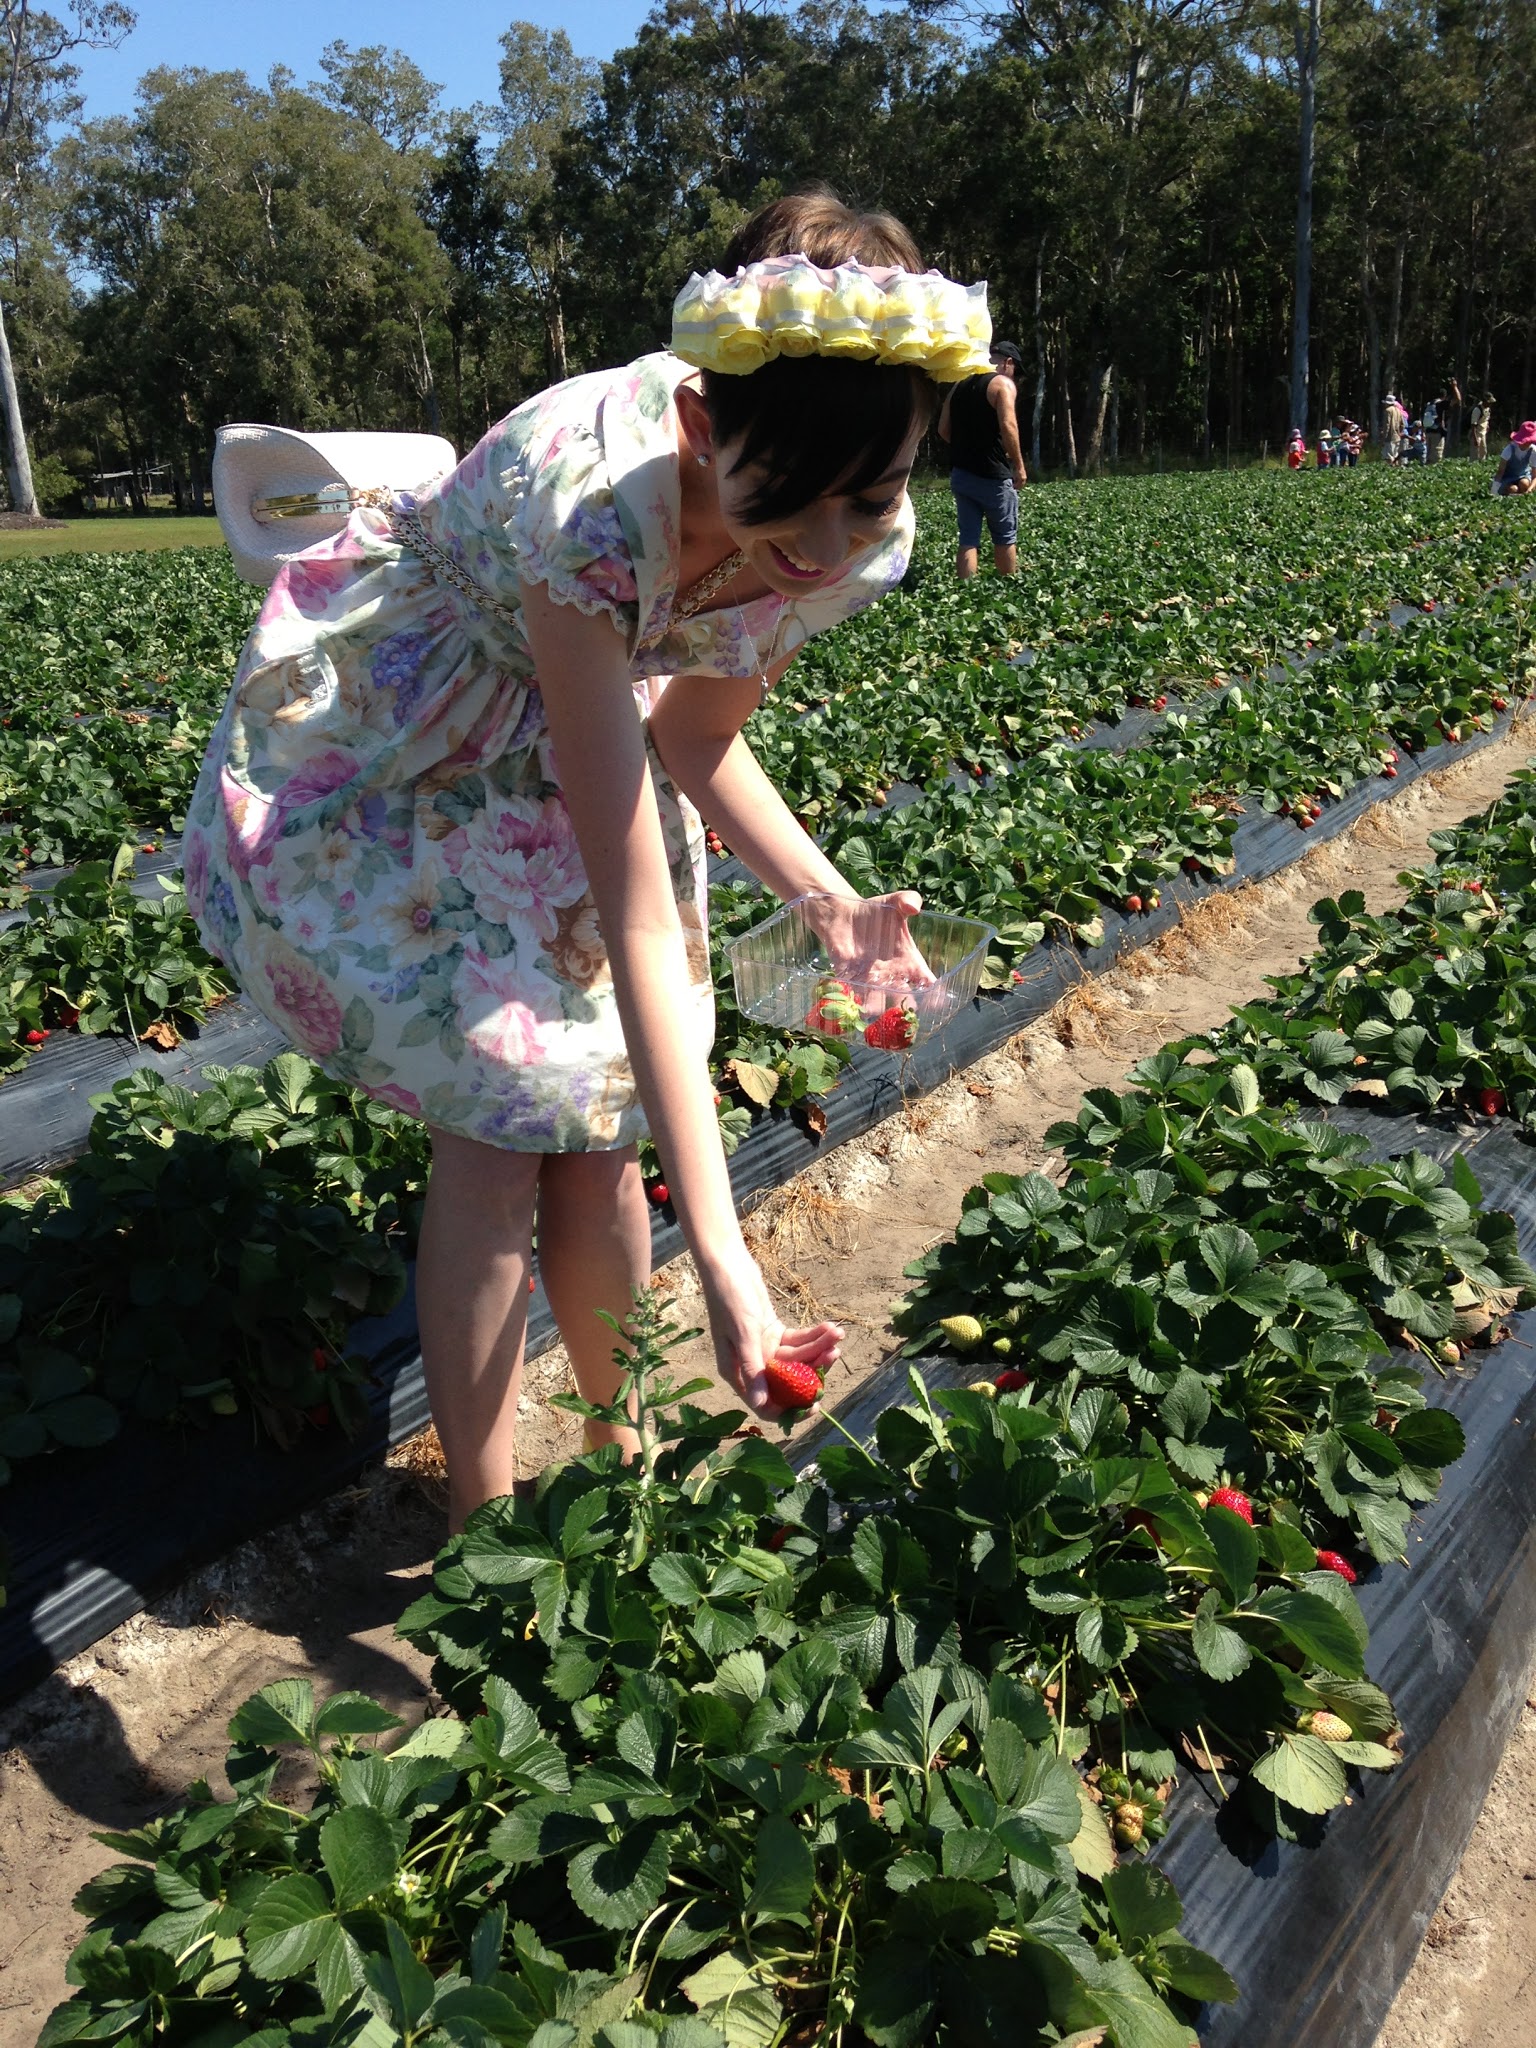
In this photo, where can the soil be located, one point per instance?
(111, 1737)
(23, 522)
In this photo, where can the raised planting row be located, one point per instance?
(732, 1759)
(1247, 1281)
(1432, 1005)
(1043, 848)
(96, 1278)
(113, 668)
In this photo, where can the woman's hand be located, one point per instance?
(748, 1334)
(869, 939)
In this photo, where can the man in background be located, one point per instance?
(981, 424)
(1479, 420)
(1393, 422)
(1437, 419)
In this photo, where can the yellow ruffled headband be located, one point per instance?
(786, 306)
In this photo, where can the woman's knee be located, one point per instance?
(486, 1175)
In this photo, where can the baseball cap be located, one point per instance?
(1009, 350)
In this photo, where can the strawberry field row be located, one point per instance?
(884, 1746)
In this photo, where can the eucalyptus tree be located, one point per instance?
(37, 84)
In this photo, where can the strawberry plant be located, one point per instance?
(1237, 1280)
(208, 1247)
(95, 957)
(699, 1781)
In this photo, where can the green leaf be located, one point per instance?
(403, 1982)
(1103, 1636)
(1092, 1850)
(1430, 1436)
(784, 1872)
(1237, 1550)
(1195, 1973)
(357, 1847)
(82, 1421)
(1136, 2016)
(1303, 1772)
(1221, 1652)
(290, 1924)
(353, 1713)
(617, 1884)
(1142, 1902)
(280, 1713)
(1317, 1628)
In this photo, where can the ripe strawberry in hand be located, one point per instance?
(792, 1383)
(1238, 1503)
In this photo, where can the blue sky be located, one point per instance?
(455, 45)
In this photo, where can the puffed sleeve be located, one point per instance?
(865, 578)
(559, 525)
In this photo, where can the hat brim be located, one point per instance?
(253, 462)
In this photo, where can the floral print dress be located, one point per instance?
(379, 845)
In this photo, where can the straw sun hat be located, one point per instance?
(277, 491)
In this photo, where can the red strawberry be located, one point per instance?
(319, 1415)
(69, 1016)
(318, 1359)
(1389, 772)
(530, 1283)
(658, 1192)
(1191, 865)
(1429, 604)
(1159, 703)
(1132, 903)
(1491, 1101)
(892, 1032)
(1501, 703)
(146, 849)
(1010, 1379)
(1475, 887)
(792, 1383)
(34, 1037)
(1016, 975)
(1238, 1503)
(1330, 1561)
(777, 1540)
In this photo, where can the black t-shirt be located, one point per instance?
(975, 439)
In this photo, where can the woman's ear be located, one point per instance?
(693, 414)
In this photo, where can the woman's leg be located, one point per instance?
(594, 1252)
(472, 1309)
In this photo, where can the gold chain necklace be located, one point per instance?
(716, 579)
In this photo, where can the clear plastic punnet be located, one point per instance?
(798, 971)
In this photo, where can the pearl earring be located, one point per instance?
(702, 461)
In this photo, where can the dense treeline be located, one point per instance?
(350, 253)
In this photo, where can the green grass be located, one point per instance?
(109, 536)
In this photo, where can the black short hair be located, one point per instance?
(817, 422)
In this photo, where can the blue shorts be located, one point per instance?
(990, 498)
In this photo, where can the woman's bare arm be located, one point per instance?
(600, 751)
(696, 729)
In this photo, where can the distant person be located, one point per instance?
(1325, 448)
(1296, 453)
(1479, 420)
(1415, 446)
(1515, 476)
(1345, 446)
(980, 422)
(1437, 419)
(1394, 419)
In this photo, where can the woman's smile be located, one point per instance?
(791, 566)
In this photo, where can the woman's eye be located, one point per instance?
(865, 510)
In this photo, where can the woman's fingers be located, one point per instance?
(821, 1340)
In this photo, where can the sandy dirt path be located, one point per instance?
(110, 1737)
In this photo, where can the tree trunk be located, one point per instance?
(1034, 432)
(1066, 405)
(18, 467)
(1301, 317)
(1205, 355)
(1104, 383)
(1395, 317)
(1372, 340)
